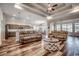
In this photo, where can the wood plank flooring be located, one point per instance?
(72, 46)
(18, 49)
(12, 48)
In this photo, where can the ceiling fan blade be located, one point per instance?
(53, 9)
(55, 5)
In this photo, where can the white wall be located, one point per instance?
(2, 27)
(9, 20)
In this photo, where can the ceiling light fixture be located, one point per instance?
(51, 7)
(39, 22)
(18, 6)
(49, 17)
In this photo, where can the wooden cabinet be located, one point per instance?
(10, 29)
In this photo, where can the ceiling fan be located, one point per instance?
(51, 7)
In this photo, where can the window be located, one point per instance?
(58, 27)
(76, 27)
(51, 27)
(64, 27)
(69, 27)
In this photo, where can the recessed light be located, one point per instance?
(18, 6)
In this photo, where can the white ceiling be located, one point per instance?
(37, 12)
(10, 10)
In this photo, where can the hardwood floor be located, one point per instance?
(18, 49)
(11, 48)
(72, 46)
